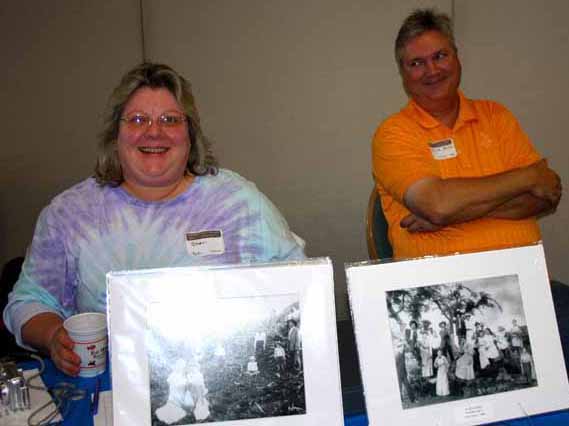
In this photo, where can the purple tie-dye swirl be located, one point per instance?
(90, 230)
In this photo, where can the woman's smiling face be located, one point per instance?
(155, 155)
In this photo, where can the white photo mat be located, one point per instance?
(369, 285)
(192, 295)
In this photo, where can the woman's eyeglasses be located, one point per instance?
(168, 120)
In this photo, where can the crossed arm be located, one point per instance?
(516, 194)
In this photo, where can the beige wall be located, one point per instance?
(60, 60)
(291, 91)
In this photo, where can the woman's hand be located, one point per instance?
(45, 332)
(60, 348)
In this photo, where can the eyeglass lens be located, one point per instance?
(167, 119)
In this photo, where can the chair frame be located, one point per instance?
(374, 202)
(370, 237)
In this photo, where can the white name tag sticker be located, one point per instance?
(205, 243)
(443, 150)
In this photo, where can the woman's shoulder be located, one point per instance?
(230, 182)
(86, 194)
(83, 190)
(226, 175)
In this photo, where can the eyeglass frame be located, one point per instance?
(158, 120)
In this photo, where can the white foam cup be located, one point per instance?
(89, 332)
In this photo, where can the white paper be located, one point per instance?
(516, 278)
(180, 338)
(104, 416)
(481, 412)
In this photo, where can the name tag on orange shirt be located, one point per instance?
(443, 150)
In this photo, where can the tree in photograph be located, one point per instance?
(456, 300)
(453, 301)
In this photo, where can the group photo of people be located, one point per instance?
(252, 369)
(460, 340)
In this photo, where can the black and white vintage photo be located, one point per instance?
(460, 340)
(241, 360)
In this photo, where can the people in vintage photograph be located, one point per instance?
(401, 351)
(294, 345)
(279, 356)
(470, 355)
(187, 393)
(256, 377)
(156, 187)
(442, 365)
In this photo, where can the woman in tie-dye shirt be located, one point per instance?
(157, 199)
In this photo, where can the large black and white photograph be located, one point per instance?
(235, 345)
(460, 340)
(464, 339)
(243, 362)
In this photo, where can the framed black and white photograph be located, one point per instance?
(457, 340)
(236, 345)
(245, 364)
(463, 339)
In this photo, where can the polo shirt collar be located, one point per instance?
(466, 113)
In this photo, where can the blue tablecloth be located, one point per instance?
(78, 412)
(560, 418)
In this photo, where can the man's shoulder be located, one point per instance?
(404, 117)
(487, 107)
(409, 120)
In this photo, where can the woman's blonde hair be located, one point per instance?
(201, 161)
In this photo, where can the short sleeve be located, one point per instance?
(279, 243)
(399, 157)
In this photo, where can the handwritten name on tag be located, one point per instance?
(205, 243)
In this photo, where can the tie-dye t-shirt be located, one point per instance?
(89, 230)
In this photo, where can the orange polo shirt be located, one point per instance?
(487, 140)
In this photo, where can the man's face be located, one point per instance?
(430, 70)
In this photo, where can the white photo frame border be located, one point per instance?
(131, 293)
(367, 287)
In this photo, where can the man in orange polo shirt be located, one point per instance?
(454, 174)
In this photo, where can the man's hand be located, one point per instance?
(414, 223)
(60, 348)
(547, 185)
